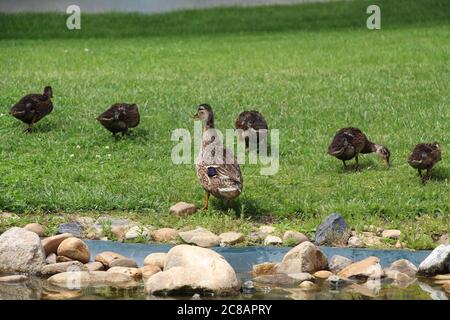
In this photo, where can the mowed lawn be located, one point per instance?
(308, 79)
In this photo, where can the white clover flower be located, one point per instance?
(86, 49)
(78, 146)
(107, 147)
(72, 155)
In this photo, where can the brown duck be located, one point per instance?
(33, 107)
(424, 157)
(251, 122)
(120, 117)
(348, 143)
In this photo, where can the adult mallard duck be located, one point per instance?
(33, 107)
(251, 122)
(120, 117)
(424, 157)
(348, 143)
(217, 168)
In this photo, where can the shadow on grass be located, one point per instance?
(304, 17)
(242, 207)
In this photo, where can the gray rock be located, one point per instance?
(437, 262)
(196, 296)
(403, 266)
(333, 231)
(305, 257)
(13, 279)
(248, 287)
(194, 269)
(278, 280)
(200, 237)
(51, 258)
(272, 240)
(337, 263)
(123, 262)
(83, 279)
(21, 251)
(230, 238)
(55, 268)
(355, 242)
(74, 228)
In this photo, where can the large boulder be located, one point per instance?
(51, 244)
(305, 257)
(193, 269)
(437, 262)
(200, 237)
(367, 268)
(107, 258)
(21, 251)
(333, 231)
(403, 266)
(36, 228)
(75, 249)
(157, 259)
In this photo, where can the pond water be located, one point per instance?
(242, 259)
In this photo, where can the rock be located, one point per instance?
(442, 277)
(335, 282)
(36, 228)
(283, 280)
(248, 287)
(434, 294)
(443, 239)
(157, 259)
(118, 232)
(74, 228)
(61, 259)
(302, 276)
(308, 285)
(391, 234)
(404, 266)
(149, 270)
(333, 231)
(305, 257)
(355, 242)
(400, 279)
(123, 262)
(107, 257)
(337, 263)
(367, 268)
(257, 236)
(8, 216)
(200, 237)
(267, 229)
(136, 232)
(13, 279)
(95, 266)
(437, 262)
(61, 295)
(55, 268)
(399, 245)
(272, 240)
(446, 287)
(442, 281)
(74, 249)
(165, 235)
(194, 269)
(370, 240)
(125, 224)
(51, 244)
(83, 279)
(21, 251)
(51, 258)
(294, 237)
(183, 209)
(231, 238)
(322, 274)
(134, 273)
(265, 268)
(369, 289)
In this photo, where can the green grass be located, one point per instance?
(310, 69)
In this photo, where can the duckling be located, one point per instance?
(249, 122)
(217, 168)
(348, 143)
(33, 107)
(120, 117)
(425, 156)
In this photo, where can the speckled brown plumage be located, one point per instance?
(217, 168)
(348, 143)
(120, 117)
(33, 107)
(424, 157)
(248, 122)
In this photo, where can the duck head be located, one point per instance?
(48, 92)
(205, 114)
(383, 153)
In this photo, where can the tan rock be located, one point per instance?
(75, 249)
(83, 279)
(442, 281)
(294, 236)
(263, 269)
(183, 209)
(124, 262)
(95, 266)
(305, 257)
(61, 259)
(134, 273)
(51, 244)
(404, 266)
(231, 238)
(61, 295)
(118, 232)
(107, 257)
(55, 268)
(149, 270)
(200, 237)
(367, 268)
(36, 228)
(322, 274)
(442, 277)
(446, 287)
(157, 259)
(165, 235)
(267, 229)
(370, 240)
(13, 279)
(272, 240)
(391, 234)
(308, 285)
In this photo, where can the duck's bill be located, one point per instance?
(387, 163)
(195, 117)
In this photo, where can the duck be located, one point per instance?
(248, 123)
(423, 157)
(217, 168)
(348, 143)
(120, 117)
(33, 107)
